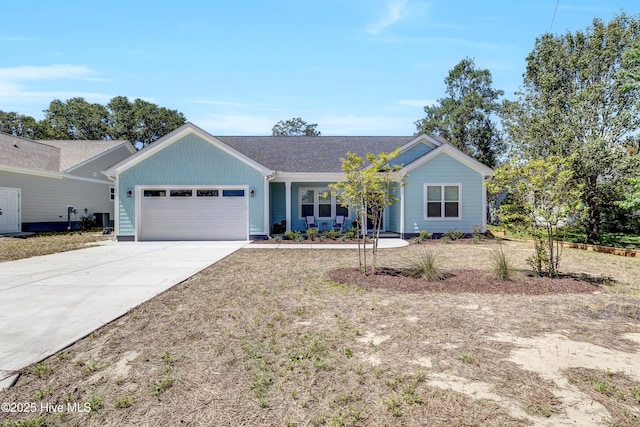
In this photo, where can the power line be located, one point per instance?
(554, 15)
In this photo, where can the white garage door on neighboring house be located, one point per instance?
(10, 210)
(193, 213)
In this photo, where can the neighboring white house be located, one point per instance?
(50, 185)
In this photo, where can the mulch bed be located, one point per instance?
(461, 281)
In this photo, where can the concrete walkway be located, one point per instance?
(383, 244)
(51, 301)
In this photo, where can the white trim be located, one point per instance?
(25, 171)
(19, 227)
(316, 203)
(176, 135)
(422, 138)
(266, 200)
(484, 207)
(442, 201)
(458, 155)
(309, 177)
(402, 210)
(287, 201)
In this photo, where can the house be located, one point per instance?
(50, 185)
(190, 185)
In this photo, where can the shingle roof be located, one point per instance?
(50, 155)
(24, 153)
(310, 153)
(72, 153)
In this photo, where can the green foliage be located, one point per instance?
(464, 118)
(575, 101)
(42, 370)
(331, 234)
(501, 264)
(477, 234)
(632, 196)
(295, 127)
(86, 222)
(422, 236)
(544, 197)
(20, 125)
(425, 266)
(369, 189)
(31, 422)
(452, 234)
(123, 402)
(160, 386)
(139, 122)
(294, 235)
(312, 233)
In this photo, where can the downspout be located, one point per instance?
(116, 204)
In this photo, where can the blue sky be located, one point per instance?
(354, 67)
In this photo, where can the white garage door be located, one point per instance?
(179, 213)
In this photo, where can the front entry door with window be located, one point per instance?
(10, 210)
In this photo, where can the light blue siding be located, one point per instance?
(443, 169)
(277, 206)
(191, 161)
(392, 215)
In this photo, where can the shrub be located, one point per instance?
(424, 235)
(453, 234)
(501, 264)
(312, 233)
(331, 234)
(425, 266)
(477, 234)
(351, 234)
(294, 235)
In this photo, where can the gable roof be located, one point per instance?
(51, 156)
(304, 154)
(76, 152)
(27, 154)
(176, 135)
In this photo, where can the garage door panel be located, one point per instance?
(193, 218)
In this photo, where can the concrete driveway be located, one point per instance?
(51, 301)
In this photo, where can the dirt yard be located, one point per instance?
(271, 337)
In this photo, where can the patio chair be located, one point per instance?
(338, 223)
(311, 222)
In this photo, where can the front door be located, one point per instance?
(9, 210)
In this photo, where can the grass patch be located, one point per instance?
(424, 265)
(263, 337)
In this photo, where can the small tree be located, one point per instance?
(368, 191)
(542, 198)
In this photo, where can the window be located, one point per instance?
(207, 193)
(155, 193)
(180, 193)
(320, 203)
(442, 201)
(232, 193)
(112, 193)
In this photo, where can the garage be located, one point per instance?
(193, 213)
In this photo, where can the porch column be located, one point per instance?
(402, 212)
(287, 201)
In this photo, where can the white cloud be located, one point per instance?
(51, 72)
(395, 11)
